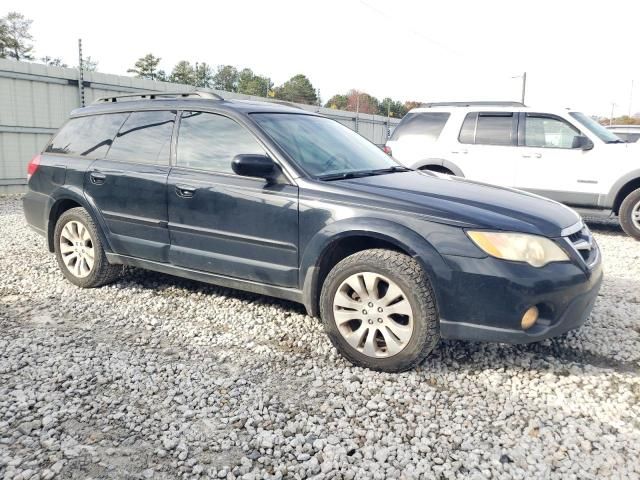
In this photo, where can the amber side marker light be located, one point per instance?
(530, 318)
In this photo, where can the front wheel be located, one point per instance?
(630, 214)
(379, 310)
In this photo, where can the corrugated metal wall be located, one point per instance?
(36, 99)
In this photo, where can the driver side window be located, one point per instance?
(549, 132)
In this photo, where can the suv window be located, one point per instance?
(548, 132)
(487, 128)
(209, 142)
(426, 125)
(87, 136)
(145, 137)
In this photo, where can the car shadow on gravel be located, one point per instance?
(605, 225)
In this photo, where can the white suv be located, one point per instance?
(563, 155)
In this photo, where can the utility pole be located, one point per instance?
(81, 73)
(611, 116)
(358, 112)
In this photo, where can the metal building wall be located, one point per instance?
(36, 99)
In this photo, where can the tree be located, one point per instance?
(203, 75)
(410, 104)
(251, 84)
(89, 64)
(297, 89)
(361, 102)
(16, 37)
(53, 62)
(392, 108)
(338, 102)
(147, 67)
(226, 78)
(183, 72)
(3, 38)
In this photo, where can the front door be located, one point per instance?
(223, 223)
(129, 186)
(550, 166)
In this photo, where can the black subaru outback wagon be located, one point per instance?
(280, 201)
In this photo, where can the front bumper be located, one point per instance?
(484, 299)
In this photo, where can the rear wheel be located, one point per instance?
(379, 311)
(630, 214)
(79, 251)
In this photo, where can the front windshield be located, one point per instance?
(594, 127)
(323, 147)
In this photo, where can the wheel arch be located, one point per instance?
(625, 190)
(65, 199)
(439, 165)
(326, 249)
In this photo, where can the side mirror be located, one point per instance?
(259, 166)
(582, 142)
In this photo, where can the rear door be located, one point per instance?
(223, 223)
(486, 149)
(128, 187)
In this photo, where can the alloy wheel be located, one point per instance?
(373, 315)
(635, 215)
(76, 249)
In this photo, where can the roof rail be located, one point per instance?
(154, 95)
(474, 104)
(288, 104)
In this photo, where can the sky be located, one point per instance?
(578, 54)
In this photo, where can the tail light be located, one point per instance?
(33, 166)
(387, 150)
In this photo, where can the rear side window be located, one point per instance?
(145, 137)
(209, 142)
(491, 128)
(426, 125)
(87, 136)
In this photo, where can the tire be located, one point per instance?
(630, 214)
(404, 333)
(77, 235)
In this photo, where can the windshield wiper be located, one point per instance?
(362, 173)
(616, 141)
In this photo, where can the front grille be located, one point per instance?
(583, 243)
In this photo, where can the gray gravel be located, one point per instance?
(158, 377)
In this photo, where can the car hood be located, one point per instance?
(455, 200)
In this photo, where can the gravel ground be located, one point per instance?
(159, 377)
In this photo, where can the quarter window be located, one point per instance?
(87, 136)
(549, 132)
(145, 137)
(487, 128)
(424, 125)
(209, 142)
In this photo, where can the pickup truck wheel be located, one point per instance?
(630, 214)
(379, 310)
(79, 251)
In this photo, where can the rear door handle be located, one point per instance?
(97, 178)
(531, 155)
(464, 150)
(185, 191)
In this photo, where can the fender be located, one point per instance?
(609, 200)
(396, 234)
(440, 162)
(72, 192)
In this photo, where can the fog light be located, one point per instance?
(530, 318)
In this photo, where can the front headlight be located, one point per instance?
(519, 247)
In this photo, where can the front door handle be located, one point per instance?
(97, 178)
(531, 155)
(464, 150)
(185, 191)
